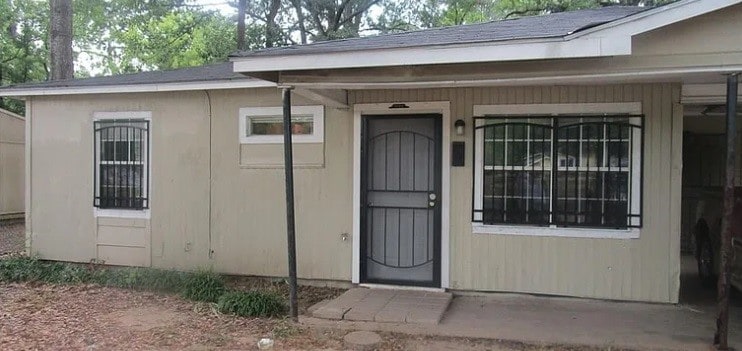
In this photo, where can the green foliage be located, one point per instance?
(26, 269)
(203, 286)
(146, 279)
(177, 39)
(252, 303)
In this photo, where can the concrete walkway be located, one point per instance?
(566, 321)
(539, 320)
(387, 306)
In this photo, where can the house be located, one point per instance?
(537, 155)
(12, 134)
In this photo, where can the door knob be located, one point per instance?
(431, 204)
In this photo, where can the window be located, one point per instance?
(594, 180)
(122, 162)
(264, 125)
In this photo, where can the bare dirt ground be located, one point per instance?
(88, 317)
(12, 236)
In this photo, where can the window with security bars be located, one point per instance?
(122, 164)
(594, 179)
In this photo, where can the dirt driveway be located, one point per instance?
(47, 317)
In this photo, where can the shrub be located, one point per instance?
(203, 286)
(252, 303)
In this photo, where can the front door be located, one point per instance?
(400, 200)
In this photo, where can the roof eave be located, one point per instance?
(514, 50)
(22, 92)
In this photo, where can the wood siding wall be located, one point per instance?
(12, 155)
(209, 208)
(645, 269)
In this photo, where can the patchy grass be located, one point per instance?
(308, 295)
(204, 286)
(27, 269)
(252, 304)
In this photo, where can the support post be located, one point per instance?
(290, 222)
(722, 321)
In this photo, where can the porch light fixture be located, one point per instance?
(399, 106)
(460, 125)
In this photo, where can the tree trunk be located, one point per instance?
(241, 25)
(300, 17)
(272, 31)
(60, 39)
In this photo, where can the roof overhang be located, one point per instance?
(610, 39)
(554, 48)
(20, 92)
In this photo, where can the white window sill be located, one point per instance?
(278, 140)
(594, 233)
(98, 212)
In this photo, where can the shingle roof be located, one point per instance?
(216, 72)
(546, 26)
(534, 27)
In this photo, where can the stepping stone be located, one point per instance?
(361, 340)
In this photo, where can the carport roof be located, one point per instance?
(534, 27)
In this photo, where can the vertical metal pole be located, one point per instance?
(290, 223)
(722, 322)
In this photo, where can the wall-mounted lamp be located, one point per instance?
(460, 125)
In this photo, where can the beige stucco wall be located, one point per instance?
(195, 149)
(646, 269)
(211, 205)
(12, 154)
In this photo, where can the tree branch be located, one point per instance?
(523, 12)
(358, 12)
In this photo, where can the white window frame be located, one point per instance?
(125, 213)
(633, 108)
(317, 112)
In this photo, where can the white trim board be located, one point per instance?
(438, 107)
(138, 88)
(442, 54)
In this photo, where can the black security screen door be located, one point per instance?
(400, 201)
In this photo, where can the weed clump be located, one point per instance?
(203, 286)
(252, 304)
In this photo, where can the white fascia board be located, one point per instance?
(654, 18)
(139, 88)
(487, 52)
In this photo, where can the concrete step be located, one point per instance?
(386, 305)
